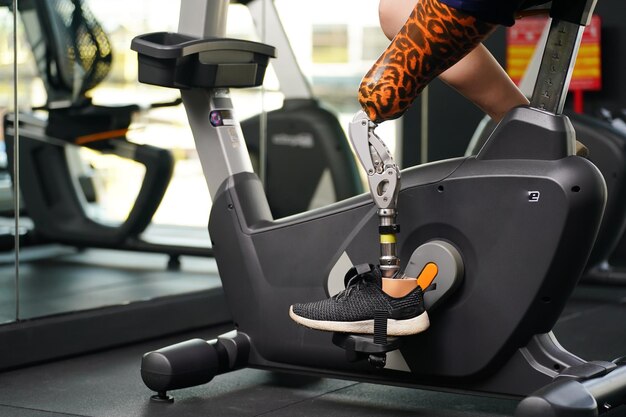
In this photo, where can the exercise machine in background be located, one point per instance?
(308, 162)
(73, 55)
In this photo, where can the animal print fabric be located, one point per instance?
(433, 39)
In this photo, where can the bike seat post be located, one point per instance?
(202, 18)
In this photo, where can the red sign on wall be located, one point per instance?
(522, 40)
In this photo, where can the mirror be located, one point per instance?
(8, 220)
(114, 199)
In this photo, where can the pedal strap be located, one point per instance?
(363, 269)
(380, 327)
(357, 270)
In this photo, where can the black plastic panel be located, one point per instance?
(303, 141)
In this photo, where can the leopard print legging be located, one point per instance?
(433, 39)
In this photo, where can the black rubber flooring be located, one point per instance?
(108, 384)
(593, 324)
(58, 279)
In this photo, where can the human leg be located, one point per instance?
(477, 76)
(433, 38)
(481, 79)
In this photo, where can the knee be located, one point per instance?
(392, 15)
(386, 18)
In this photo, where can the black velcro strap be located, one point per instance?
(363, 268)
(380, 327)
(356, 271)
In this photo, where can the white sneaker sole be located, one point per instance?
(394, 327)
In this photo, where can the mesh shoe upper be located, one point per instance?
(362, 297)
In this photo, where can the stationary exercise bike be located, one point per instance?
(509, 229)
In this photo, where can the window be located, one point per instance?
(374, 43)
(330, 44)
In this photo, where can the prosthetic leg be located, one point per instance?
(433, 259)
(383, 176)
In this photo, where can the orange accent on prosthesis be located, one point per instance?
(398, 288)
(434, 38)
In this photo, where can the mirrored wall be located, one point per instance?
(114, 205)
(8, 222)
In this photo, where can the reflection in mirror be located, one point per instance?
(10, 59)
(114, 199)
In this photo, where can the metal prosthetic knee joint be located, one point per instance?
(383, 176)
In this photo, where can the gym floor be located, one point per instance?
(56, 279)
(108, 384)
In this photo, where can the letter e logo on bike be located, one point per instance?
(533, 196)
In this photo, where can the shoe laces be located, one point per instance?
(357, 282)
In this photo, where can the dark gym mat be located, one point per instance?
(593, 324)
(108, 384)
(24, 412)
(7, 298)
(57, 279)
(95, 299)
(375, 400)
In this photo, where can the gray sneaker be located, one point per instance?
(353, 309)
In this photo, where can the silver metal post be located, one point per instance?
(217, 134)
(262, 30)
(557, 66)
(216, 130)
(203, 18)
(388, 260)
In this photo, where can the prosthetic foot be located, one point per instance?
(364, 304)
